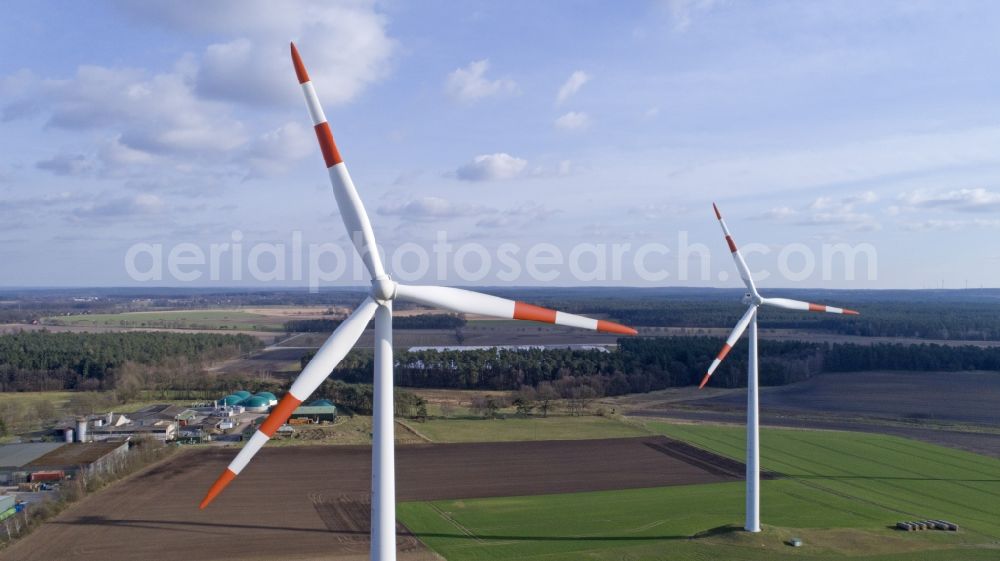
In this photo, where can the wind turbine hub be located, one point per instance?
(383, 289)
(747, 298)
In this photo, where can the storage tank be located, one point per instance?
(68, 435)
(110, 418)
(81, 430)
(256, 404)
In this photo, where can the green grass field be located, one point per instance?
(194, 319)
(534, 428)
(843, 492)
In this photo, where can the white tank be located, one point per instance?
(110, 418)
(68, 435)
(81, 430)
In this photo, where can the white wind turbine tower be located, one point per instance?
(754, 300)
(378, 305)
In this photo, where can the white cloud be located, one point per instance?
(469, 84)
(572, 85)
(344, 45)
(858, 161)
(489, 167)
(66, 164)
(657, 211)
(122, 207)
(274, 150)
(777, 213)
(116, 157)
(950, 225)
(573, 121)
(966, 200)
(525, 214)
(431, 208)
(828, 211)
(158, 113)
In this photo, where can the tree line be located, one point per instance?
(964, 321)
(647, 364)
(41, 360)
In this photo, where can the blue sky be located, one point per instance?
(870, 124)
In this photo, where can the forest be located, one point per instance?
(647, 364)
(40, 360)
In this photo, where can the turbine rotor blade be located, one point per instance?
(741, 265)
(788, 304)
(327, 357)
(734, 336)
(468, 302)
(352, 210)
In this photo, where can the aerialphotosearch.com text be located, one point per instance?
(442, 261)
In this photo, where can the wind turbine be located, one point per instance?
(754, 300)
(378, 305)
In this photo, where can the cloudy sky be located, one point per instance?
(820, 128)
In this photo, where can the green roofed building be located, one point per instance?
(320, 403)
(270, 397)
(316, 413)
(256, 404)
(231, 400)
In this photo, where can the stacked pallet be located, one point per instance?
(926, 525)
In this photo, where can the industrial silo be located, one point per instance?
(81, 430)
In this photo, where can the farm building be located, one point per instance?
(14, 458)
(316, 413)
(159, 429)
(54, 460)
(90, 457)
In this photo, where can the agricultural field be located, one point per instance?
(841, 493)
(180, 319)
(524, 429)
(963, 416)
(311, 502)
(894, 395)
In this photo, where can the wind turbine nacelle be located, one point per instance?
(747, 298)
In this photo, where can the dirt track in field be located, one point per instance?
(312, 502)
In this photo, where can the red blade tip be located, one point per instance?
(851, 312)
(717, 214)
(225, 479)
(300, 69)
(704, 381)
(612, 327)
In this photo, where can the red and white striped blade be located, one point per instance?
(352, 211)
(327, 357)
(741, 326)
(741, 265)
(468, 302)
(789, 304)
